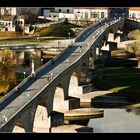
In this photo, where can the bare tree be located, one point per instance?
(28, 12)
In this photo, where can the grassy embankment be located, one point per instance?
(56, 31)
(127, 84)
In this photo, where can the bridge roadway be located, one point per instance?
(12, 105)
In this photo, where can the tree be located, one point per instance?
(8, 77)
(134, 34)
(28, 13)
(135, 47)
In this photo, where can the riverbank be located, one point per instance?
(121, 81)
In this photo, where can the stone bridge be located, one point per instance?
(19, 107)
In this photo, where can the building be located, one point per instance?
(8, 11)
(134, 12)
(90, 12)
(74, 13)
(56, 12)
(118, 12)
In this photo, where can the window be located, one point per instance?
(102, 15)
(18, 22)
(59, 10)
(94, 15)
(68, 10)
(86, 15)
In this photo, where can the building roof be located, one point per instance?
(104, 8)
(134, 9)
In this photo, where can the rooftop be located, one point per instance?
(135, 8)
(91, 8)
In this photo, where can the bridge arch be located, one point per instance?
(40, 123)
(74, 87)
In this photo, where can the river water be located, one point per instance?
(117, 121)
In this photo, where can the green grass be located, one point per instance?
(59, 31)
(124, 85)
(22, 41)
(118, 83)
(108, 70)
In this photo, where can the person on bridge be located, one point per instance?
(5, 119)
(58, 43)
(81, 49)
(49, 78)
(88, 44)
(17, 88)
(33, 70)
(71, 42)
(33, 74)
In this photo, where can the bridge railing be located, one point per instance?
(110, 23)
(89, 27)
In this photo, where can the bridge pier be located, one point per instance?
(105, 55)
(68, 104)
(117, 37)
(98, 53)
(27, 121)
(10, 129)
(110, 46)
(85, 77)
(56, 119)
(106, 50)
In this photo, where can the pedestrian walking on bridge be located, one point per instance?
(17, 88)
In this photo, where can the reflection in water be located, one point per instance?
(117, 121)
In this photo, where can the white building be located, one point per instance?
(73, 13)
(57, 12)
(90, 12)
(8, 11)
(134, 12)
